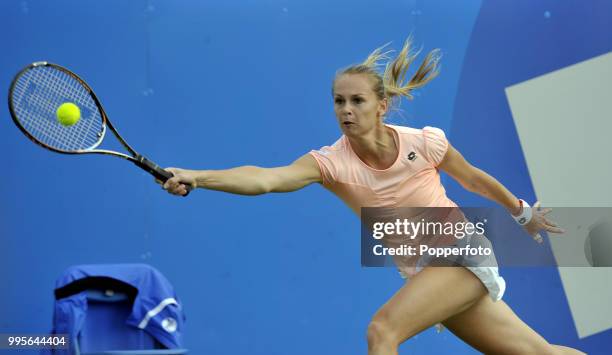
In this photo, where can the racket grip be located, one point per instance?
(154, 169)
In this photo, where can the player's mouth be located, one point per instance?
(347, 123)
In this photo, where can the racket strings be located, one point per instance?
(58, 76)
(39, 102)
(42, 100)
(36, 96)
(74, 92)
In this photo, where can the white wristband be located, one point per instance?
(526, 214)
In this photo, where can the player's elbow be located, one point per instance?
(264, 187)
(280, 180)
(255, 188)
(259, 181)
(287, 178)
(275, 182)
(266, 180)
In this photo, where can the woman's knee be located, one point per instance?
(380, 333)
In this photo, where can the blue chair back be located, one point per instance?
(105, 327)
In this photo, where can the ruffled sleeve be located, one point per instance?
(325, 158)
(436, 144)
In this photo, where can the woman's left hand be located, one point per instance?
(539, 222)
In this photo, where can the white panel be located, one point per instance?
(564, 123)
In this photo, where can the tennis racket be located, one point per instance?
(35, 94)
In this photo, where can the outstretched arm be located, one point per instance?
(247, 180)
(478, 181)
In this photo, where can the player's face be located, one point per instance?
(357, 107)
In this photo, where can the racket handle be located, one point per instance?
(154, 169)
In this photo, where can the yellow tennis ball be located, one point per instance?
(68, 114)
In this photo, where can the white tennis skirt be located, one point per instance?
(484, 267)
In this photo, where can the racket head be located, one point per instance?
(35, 94)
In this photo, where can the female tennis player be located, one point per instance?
(375, 164)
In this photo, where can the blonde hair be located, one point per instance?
(391, 84)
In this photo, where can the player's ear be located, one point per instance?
(383, 105)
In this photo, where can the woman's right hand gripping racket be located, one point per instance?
(57, 110)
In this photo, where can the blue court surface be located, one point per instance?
(219, 84)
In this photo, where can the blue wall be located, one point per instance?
(218, 84)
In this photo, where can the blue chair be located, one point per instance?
(97, 310)
(105, 328)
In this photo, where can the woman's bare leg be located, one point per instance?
(493, 328)
(434, 294)
(564, 350)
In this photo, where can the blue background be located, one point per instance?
(200, 84)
